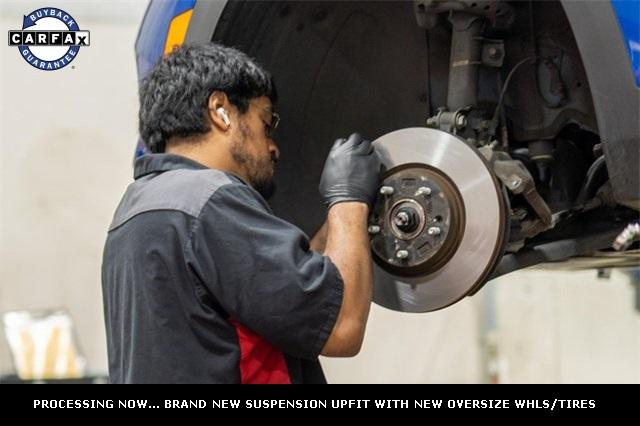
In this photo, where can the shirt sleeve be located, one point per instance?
(262, 272)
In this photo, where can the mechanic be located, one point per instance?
(201, 281)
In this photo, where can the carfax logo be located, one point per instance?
(50, 38)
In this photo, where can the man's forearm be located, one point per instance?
(348, 247)
(319, 241)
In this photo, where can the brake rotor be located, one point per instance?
(438, 225)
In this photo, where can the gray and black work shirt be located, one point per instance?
(202, 283)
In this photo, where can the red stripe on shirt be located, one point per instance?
(260, 361)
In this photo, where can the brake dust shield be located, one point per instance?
(438, 225)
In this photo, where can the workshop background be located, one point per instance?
(67, 143)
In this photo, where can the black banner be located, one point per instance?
(522, 400)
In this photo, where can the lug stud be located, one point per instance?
(402, 254)
(386, 190)
(423, 190)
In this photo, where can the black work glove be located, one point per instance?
(351, 172)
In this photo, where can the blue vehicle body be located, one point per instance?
(153, 31)
(628, 14)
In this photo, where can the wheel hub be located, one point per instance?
(419, 216)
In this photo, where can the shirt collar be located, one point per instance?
(158, 163)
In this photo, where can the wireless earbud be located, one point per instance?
(223, 114)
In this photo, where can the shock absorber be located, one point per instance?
(469, 50)
(466, 49)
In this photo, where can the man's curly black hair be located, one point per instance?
(174, 95)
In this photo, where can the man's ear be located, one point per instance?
(219, 111)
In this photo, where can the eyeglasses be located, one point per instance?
(275, 120)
